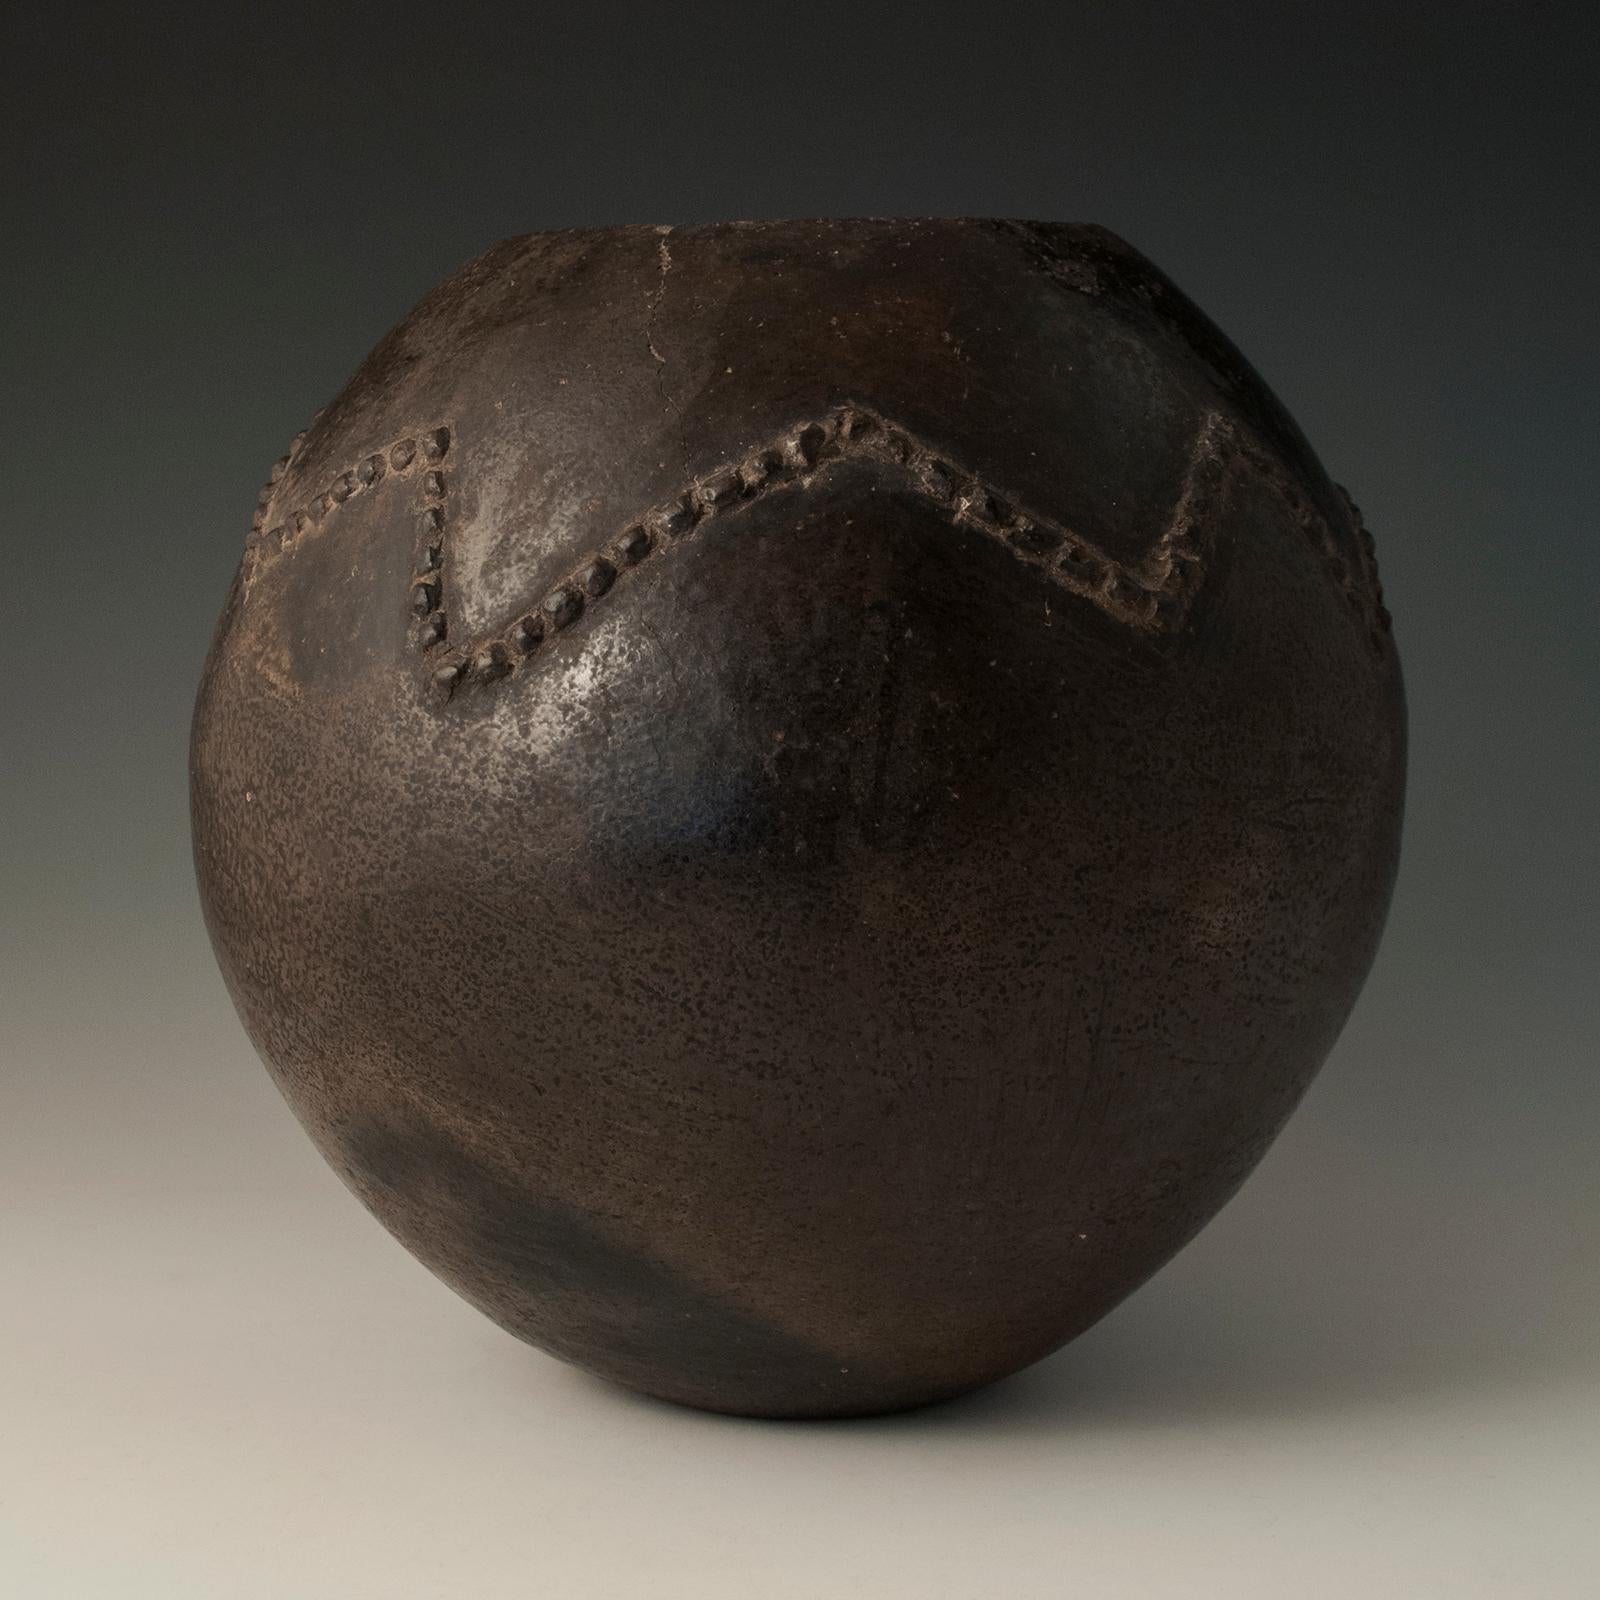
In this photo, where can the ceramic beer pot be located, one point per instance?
(794, 804)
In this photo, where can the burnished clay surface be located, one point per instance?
(794, 804)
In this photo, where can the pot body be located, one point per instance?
(794, 804)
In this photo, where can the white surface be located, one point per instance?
(219, 1380)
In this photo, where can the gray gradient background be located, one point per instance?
(1377, 1373)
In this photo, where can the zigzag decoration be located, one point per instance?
(1152, 595)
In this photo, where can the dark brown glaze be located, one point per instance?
(794, 804)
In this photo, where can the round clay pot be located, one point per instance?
(794, 804)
